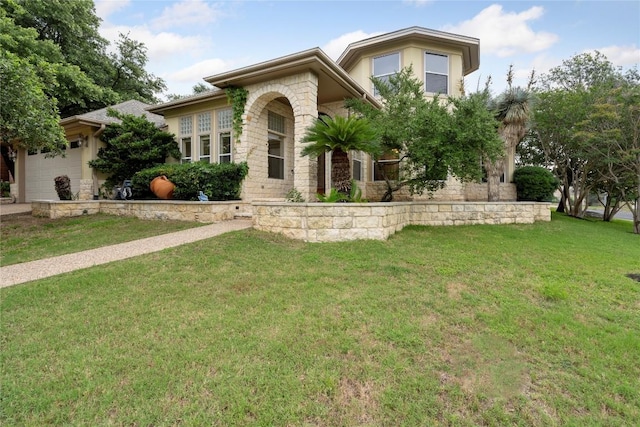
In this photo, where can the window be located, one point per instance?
(204, 132)
(385, 66)
(388, 166)
(205, 148)
(186, 131)
(224, 147)
(357, 165)
(436, 79)
(225, 121)
(275, 152)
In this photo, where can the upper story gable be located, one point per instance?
(440, 60)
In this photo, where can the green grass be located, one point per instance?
(26, 238)
(480, 325)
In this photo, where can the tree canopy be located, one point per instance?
(59, 42)
(432, 138)
(340, 135)
(131, 146)
(579, 126)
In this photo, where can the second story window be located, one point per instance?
(436, 78)
(385, 66)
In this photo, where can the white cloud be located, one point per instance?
(505, 33)
(335, 47)
(187, 12)
(104, 8)
(621, 55)
(160, 46)
(202, 69)
(417, 3)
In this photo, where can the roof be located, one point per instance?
(334, 83)
(188, 100)
(100, 117)
(470, 46)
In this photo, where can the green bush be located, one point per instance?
(219, 181)
(5, 188)
(535, 184)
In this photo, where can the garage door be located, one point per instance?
(40, 172)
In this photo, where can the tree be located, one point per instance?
(27, 115)
(512, 109)
(339, 135)
(565, 98)
(130, 80)
(430, 141)
(131, 146)
(195, 90)
(60, 39)
(612, 132)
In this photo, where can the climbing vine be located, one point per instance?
(237, 97)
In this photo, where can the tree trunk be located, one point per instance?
(340, 171)
(494, 170)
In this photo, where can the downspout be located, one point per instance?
(94, 151)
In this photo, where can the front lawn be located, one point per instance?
(28, 238)
(477, 325)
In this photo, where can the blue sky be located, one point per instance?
(190, 39)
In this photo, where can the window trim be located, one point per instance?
(282, 136)
(373, 68)
(447, 75)
(381, 163)
(202, 157)
(356, 157)
(184, 136)
(229, 155)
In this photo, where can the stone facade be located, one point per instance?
(320, 222)
(205, 212)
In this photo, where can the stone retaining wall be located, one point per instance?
(332, 222)
(205, 212)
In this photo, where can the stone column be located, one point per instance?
(86, 189)
(305, 171)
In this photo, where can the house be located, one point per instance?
(284, 96)
(35, 171)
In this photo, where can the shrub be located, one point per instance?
(294, 196)
(535, 184)
(5, 188)
(219, 181)
(131, 146)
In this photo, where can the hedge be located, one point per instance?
(219, 181)
(535, 184)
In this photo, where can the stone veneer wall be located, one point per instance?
(205, 212)
(325, 222)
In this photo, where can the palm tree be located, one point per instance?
(339, 136)
(512, 109)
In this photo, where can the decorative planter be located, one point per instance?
(162, 187)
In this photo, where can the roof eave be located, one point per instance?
(310, 58)
(469, 45)
(184, 102)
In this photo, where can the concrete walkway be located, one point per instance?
(34, 270)
(14, 208)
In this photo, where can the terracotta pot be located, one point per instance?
(162, 187)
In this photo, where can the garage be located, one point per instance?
(41, 170)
